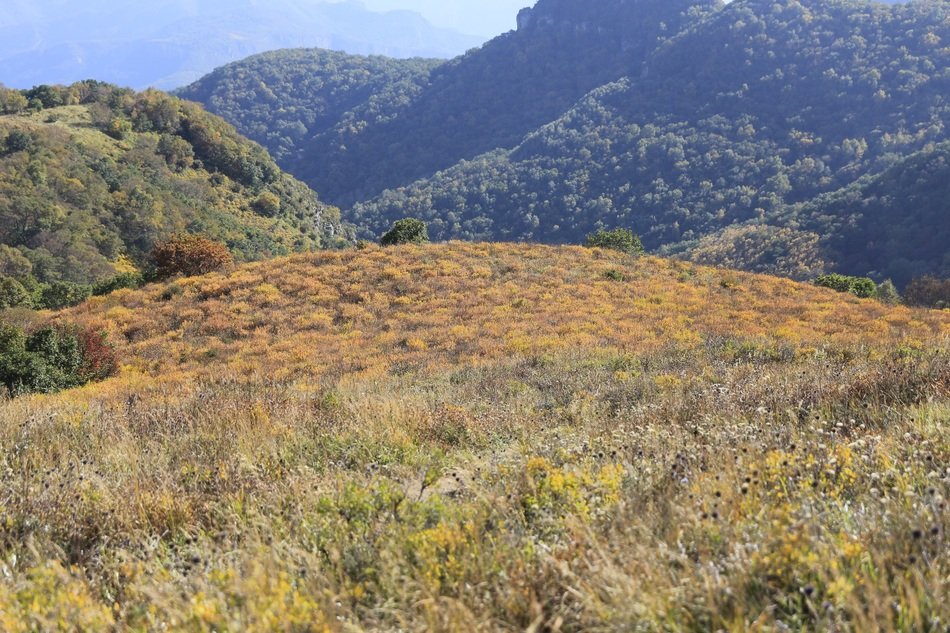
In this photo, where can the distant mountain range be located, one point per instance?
(716, 131)
(170, 44)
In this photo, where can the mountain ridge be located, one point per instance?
(170, 45)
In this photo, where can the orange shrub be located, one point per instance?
(189, 255)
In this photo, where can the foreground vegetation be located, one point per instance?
(478, 437)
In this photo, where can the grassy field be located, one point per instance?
(474, 437)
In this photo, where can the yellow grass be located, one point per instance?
(476, 437)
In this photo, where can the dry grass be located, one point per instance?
(481, 438)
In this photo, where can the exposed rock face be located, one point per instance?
(525, 18)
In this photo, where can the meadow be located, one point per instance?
(484, 437)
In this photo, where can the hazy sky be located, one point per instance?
(477, 17)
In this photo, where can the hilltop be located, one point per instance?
(371, 312)
(660, 117)
(525, 435)
(91, 176)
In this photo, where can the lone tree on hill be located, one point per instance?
(189, 255)
(406, 231)
(622, 240)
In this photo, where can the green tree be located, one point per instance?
(13, 294)
(622, 240)
(858, 286)
(18, 141)
(52, 358)
(406, 231)
(62, 294)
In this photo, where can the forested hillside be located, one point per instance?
(488, 98)
(687, 123)
(287, 99)
(896, 224)
(91, 176)
(758, 107)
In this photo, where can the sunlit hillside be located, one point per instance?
(380, 311)
(485, 437)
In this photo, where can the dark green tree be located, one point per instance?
(406, 231)
(13, 294)
(622, 240)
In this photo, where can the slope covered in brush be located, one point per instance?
(383, 310)
(90, 174)
(524, 434)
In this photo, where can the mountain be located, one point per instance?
(170, 44)
(286, 98)
(488, 98)
(92, 173)
(676, 119)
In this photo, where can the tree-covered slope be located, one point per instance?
(285, 99)
(893, 225)
(488, 98)
(92, 173)
(690, 125)
(757, 107)
(896, 224)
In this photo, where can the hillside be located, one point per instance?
(174, 43)
(284, 99)
(488, 98)
(523, 438)
(661, 117)
(373, 311)
(92, 174)
(872, 222)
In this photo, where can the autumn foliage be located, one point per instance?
(189, 255)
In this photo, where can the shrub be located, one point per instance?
(887, 293)
(622, 240)
(119, 129)
(406, 231)
(189, 255)
(62, 294)
(614, 275)
(18, 141)
(122, 280)
(267, 204)
(858, 286)
(13, 294)
(52, 359)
